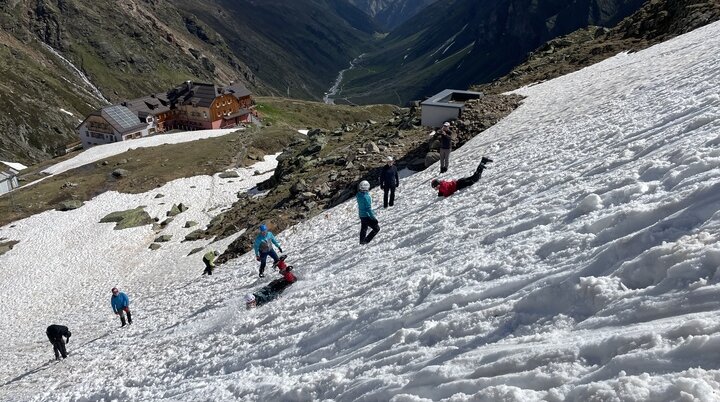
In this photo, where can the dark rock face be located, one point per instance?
(655, 22)
(464, 42)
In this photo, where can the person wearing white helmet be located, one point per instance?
(389, 181)
(250, 301)
(367, 217)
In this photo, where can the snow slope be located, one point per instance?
(583, 266)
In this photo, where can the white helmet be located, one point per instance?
(249, 298)
(364, 185)
(389, 158)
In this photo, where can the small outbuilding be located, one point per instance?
(8, 176)
(446, 105)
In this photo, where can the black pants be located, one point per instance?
(58, 347)
(208, 267)
(364, 224)
(469, 181)
(121, 313)
(389, 191)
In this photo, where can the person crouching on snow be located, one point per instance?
(121, 304)
(263, 247)
(446, 188)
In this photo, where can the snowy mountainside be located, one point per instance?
(583, 266)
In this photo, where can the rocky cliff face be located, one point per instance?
(454, 43)
(389, 14)
(655, 22)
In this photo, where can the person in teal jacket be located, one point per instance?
(263, 247)
(367, 217)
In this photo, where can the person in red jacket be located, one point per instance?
(446, 188)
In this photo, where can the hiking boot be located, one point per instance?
(485, 160)
(261, 275)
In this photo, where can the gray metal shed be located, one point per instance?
(445, 105)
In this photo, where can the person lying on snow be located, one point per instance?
(446, 188)
(272, 290)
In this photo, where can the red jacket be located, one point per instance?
(447, 187)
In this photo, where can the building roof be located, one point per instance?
(6, 175)
(148, 105)
(238, 90)
(190, 93)
(14, 165)
(121, 118)
(241, 112)
(453, 98)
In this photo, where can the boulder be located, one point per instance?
(128, 219)
(229, 174)
(154, 246)
(68, 205)
(7, 246)
(163, 238)
(159, 195)
(190, 224)
(195, 250)
(166, 222)
(195, 235)
(372, 147)
(120, 173)
(174, 210)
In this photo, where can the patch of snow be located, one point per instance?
(15, 165)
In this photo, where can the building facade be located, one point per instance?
(189, 106)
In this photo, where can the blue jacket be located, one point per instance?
(119, 302)
(263, 243)
(364, 205)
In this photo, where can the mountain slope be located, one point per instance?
(472, 42)
(654, 22)
(150, 46)
(583, 266)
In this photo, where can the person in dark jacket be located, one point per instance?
(446, 188)
(367, 217)
(55, 334)
(121, 305)
(446, 137)
(389, 181)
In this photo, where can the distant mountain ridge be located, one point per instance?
(389, 14)
(455, 43)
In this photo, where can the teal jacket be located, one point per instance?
(364, 205)
(263, 243)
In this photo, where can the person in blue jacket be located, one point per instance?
(263, 247)
(367, 217)
(121, 305)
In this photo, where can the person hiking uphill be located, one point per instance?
(209, 260)
(389, 181)
(446, 188)
(446, 137)
(263, 247)
(121, 305)
(367, 217)
(55, 334)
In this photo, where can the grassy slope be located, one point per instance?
(150, 167)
